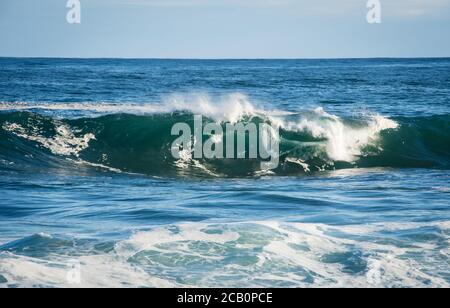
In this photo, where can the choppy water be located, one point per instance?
(361, 196)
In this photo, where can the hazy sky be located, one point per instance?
(225, 29)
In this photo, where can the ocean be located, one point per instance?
(91, 196)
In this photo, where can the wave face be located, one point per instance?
(137, 139)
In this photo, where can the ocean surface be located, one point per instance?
(90, 195)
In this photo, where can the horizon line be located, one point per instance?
(224, 59)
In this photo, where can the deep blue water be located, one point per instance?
(361, 196)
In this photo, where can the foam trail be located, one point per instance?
(63, 143)
(255, 254)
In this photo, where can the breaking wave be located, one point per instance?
(137, 138)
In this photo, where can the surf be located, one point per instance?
(137, 138)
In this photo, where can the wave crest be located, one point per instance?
(140, 142)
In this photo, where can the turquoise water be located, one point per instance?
(360, 197)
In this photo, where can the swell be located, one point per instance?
(309, 142)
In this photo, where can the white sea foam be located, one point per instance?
(96, 272)
(343, 142)
(254, 254)
(64, 142)
(99, 107)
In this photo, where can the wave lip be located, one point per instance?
(343, 142)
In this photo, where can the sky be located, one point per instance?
(224, 29)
